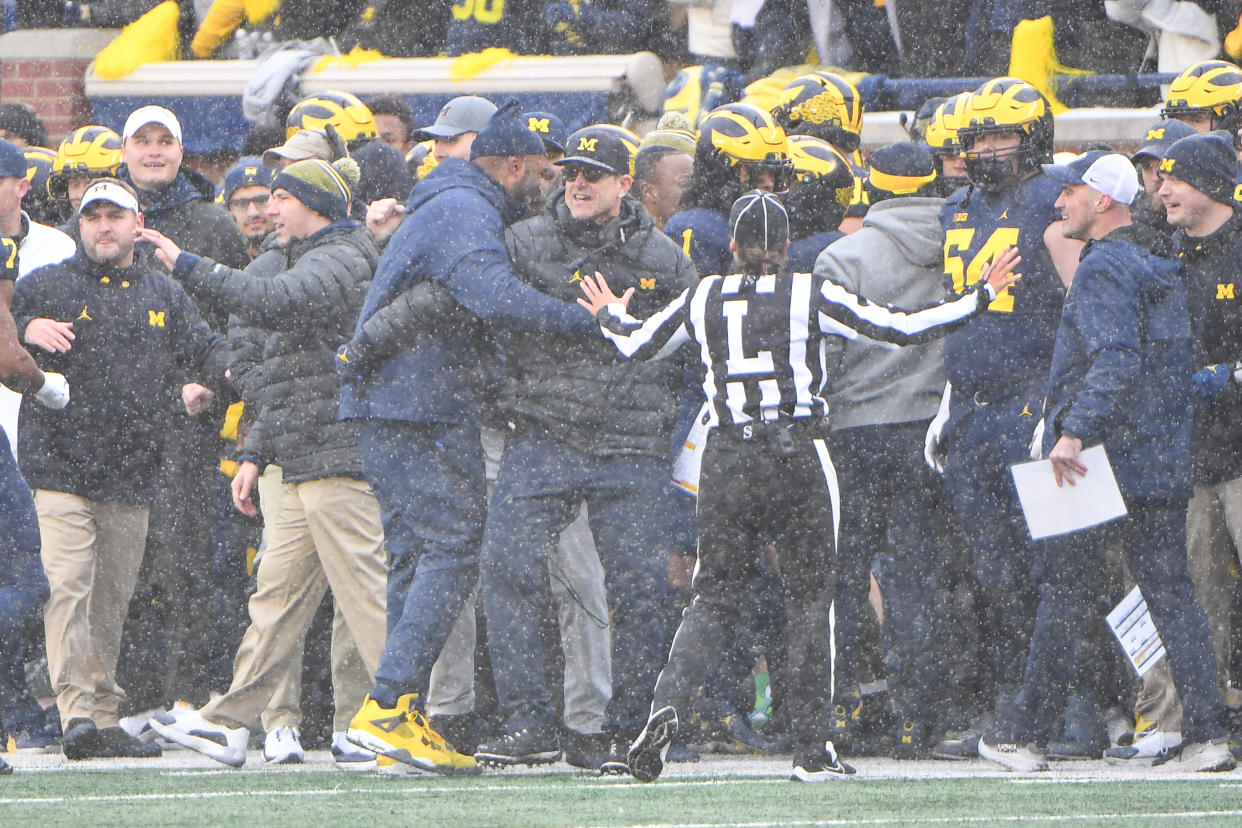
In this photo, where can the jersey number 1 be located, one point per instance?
(957, 240)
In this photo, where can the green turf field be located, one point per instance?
(93, 795)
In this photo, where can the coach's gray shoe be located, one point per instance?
(1009, 753)
(1199, 757)
(348, 756)
(189, 729)
(646, 756)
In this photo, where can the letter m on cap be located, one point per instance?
(587, 144)
(538, 125)
(1224, 291)
(156, 318)
(1166, 165)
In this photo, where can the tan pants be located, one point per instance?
(285, 707)
(91, 552)
(327, 535)
(1213, 541)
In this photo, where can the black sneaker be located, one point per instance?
(646, 755)
(617, 762)
(963, 744)
(529, 746)
(819, 765)
(585, 750)
(462, 730)
(81, 739)
(115, 743)
(5, 767)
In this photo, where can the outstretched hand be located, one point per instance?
(599, 295)
(165, 248)
(998, 273)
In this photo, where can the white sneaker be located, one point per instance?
(189, 729)
(349, 756)
(1152, 746)
(1016, 757)
(283, 746)
(1199, 757)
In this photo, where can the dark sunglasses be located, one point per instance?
(244, 203)
(591, 174)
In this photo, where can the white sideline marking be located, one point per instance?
(907, 820)
(61, 800)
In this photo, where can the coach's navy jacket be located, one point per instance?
(137, 335)
(1121, 366)
(454, 235)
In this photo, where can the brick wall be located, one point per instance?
(45, 68)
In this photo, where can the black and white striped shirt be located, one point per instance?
(761, 339)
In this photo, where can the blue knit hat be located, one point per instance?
(12, 160)
(506, 133)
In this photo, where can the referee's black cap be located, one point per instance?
(758, 219)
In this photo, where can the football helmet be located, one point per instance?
(742, 136)
(823, 186)
(824, 105)
(942, 139)
(347, 114)
(90, 151)
(1005, 106)
(1209, 87)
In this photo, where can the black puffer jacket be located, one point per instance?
(593, 398)
(311, 308)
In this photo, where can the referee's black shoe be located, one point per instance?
(539, 745)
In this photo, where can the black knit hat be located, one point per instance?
(506, 133)
(1205, 161)
(758, 219)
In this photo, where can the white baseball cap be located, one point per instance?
(111, 192)
(1113, 175)
(151, 114)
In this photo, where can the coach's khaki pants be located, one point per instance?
(91, 553)
(327, 535)
(1213, 541)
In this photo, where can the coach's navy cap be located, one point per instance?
(1160, 136)
(1205, 161)
(758, 219)
(603, 146)
(249, 171)
(548, 127)
(12, 160)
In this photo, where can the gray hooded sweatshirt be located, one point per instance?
(895, 258)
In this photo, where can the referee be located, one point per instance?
(766, 474)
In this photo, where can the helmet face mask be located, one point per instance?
(941, 137)
(1005, 106)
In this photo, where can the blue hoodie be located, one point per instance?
(1121, 366)
(454, 235)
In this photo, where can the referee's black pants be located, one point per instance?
(751, 494)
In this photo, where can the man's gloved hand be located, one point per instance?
(55, 390)
(351, 361)
(1210, 382)
(562, 21)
